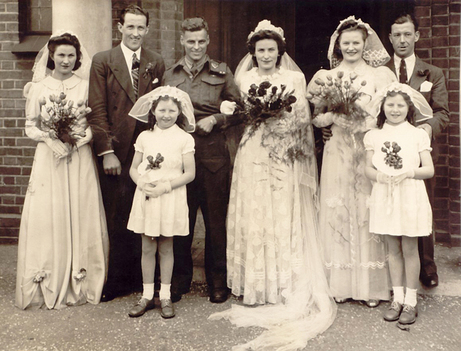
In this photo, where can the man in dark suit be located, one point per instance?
(430, 82)
(208, 83)
(118, 76)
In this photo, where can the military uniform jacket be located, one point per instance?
(211, 86)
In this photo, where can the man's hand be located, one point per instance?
(427, 127)
(111, 164)
(206, 124)
(326, 134)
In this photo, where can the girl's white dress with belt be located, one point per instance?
(168, 214)
(401, 209)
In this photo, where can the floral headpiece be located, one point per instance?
(374, 52)
(416, 98)
(40, 69)
(141, 108)
(267, 25)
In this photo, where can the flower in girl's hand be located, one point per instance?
(155, 164)
(392, 159)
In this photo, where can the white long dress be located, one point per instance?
(272, 250)
(63, 241)
(355, 259)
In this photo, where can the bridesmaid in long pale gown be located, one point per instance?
(355, 260)
(63, 243)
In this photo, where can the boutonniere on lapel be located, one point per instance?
(149, 71)
(422, 73)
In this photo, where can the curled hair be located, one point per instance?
(135, 10)
(266, 34)
(407, 18)
(348, 26)
(180, 121)
(411, 108)
(194, 24)
(64, 39)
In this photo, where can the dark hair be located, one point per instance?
(266, 34)
(411, 108)
(406, 17)
(63, 39)
(194, 24)
(348, 26)
(181, 121)
(135, 10)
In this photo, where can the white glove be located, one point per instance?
(407, 175)
(382, 178)
(160, 189)
(86, 139)
(59, 149)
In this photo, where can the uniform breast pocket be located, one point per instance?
(176, 83)
(210, 90)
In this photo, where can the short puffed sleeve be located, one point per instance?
(139, 144)
(189, 144)
(383, 77)
(424, 143)
(368, 140)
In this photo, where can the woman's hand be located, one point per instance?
(383, 178)
(407, 175)
(341, 121)
(59, 149)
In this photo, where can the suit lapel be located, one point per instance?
(120, 70)
(391, 65)
(143, 82)
(417, 79)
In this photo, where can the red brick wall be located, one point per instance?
(439, 45)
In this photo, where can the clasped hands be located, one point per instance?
(154, 189)
(60, 149)
(394, 180)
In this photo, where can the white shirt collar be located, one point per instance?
(410, 62)
(128, 54)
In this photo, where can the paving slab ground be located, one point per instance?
(107, 326)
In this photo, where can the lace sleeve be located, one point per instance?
(32, 92)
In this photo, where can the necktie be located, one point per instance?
(194, 69)
(135, 74)
(403, 72)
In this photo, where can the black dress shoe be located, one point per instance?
(219, 295)
(430, 281)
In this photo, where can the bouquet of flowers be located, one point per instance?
(262, 102)
(62, 120)
(338, 95)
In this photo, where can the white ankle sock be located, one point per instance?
(164, 291)
(398, 294)
(411, 297)
(148, 291)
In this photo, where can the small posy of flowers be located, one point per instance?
(62, 120)
(154, 164)
(38, 278)
(340, 96)
(80, 275)
(392, 159)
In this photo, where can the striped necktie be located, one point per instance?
(403, 72)
(135, 74)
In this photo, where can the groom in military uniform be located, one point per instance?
(208, 83)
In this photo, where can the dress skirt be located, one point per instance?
(63, 242)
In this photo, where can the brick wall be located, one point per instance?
(16, 151)
(439, 45)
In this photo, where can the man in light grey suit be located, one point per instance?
(117, 78)
(430, 82)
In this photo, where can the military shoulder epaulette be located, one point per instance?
(218, 67)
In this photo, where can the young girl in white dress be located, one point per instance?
(398, 159)
(162, 166)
